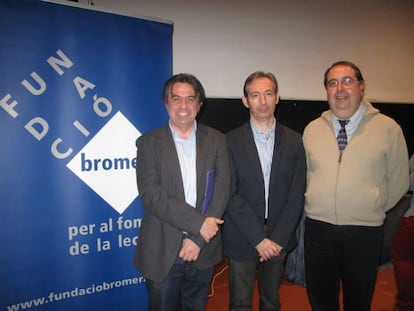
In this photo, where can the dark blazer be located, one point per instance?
(161, 191)
(244, 225)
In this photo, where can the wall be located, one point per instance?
(221, 42)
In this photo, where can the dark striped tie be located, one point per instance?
(342, 139)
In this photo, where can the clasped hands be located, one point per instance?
(190, 250)
(268, 249)
(210, 228)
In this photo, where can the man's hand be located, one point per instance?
(189, 250)
(268, 249)
(210, 228)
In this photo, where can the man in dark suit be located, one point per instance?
(268, 172)
(183, 182)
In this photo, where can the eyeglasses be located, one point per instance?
(345, 82)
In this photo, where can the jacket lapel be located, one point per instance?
(252, 157)
(277, 150)
(167, 150)
(201, 159)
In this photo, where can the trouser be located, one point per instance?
(341, 255)
(403, 261)
(241, 283)
(185, 288)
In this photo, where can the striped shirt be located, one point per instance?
(265, 143)
(186, 151)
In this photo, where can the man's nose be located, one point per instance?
(262, 99)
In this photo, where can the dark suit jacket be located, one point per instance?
(244, 226)
(161, 191)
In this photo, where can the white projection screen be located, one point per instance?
(221, 42)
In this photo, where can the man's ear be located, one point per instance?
(362, 88)
(245, 102)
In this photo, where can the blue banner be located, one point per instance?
(77, 87)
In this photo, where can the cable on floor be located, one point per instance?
(214, 279)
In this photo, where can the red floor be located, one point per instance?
(294, 296)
